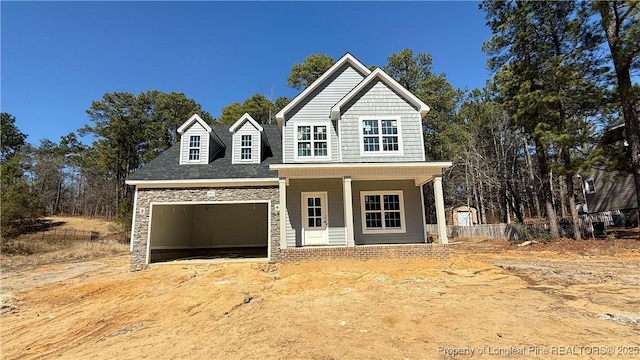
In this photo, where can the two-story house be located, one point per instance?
(341, 175)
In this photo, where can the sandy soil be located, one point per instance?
(83, 223)
(505, 300)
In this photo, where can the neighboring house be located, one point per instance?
(341, 173)
(612, 194)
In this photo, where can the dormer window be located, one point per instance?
(245, 148)
(194, 148)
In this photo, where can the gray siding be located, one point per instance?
(412, 213)
(195, 129)
(613, 192)
(317, 106)
(377, 99)
(335, 202)
(247, 129)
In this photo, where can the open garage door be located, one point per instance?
(209, 231)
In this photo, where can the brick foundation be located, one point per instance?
(365, 252)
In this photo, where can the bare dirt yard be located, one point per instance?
(491, 300)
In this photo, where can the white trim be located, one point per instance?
(188, 123)
(401, 230)
(348, 210)
(229, 202)
(435, 164)
(424, 157)
(399, 152)
(203, 182)
(388, 80)
(133, 218)
(311, 125)
(282, 187)
(347, 58)
(303, 213)
(245, 117)
(440, 213)
(424, 217)
(339, 141)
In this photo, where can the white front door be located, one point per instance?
(314, 218)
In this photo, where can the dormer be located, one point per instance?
(195, 141)
(248, 141)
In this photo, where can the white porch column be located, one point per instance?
(348, 210)
(440, 216)
(282, 186)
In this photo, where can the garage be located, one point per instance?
(213, 231)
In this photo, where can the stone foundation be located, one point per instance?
(365, 252)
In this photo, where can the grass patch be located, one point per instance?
(28, 252)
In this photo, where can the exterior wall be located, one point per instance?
(195, 129)
(335, 209)
(613, 192)
(247, 129)
(146, 196)
(379, 100)
(433, 251)
(412, 213)
(316, 108)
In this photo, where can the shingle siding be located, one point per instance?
(317, 106)
(195, 129)
(335, 209)
(412, 213)
(377, 99)
(246, 129)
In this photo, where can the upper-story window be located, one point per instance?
(194, 148)
(312, 141)
(590, 186)
(380, 136)
(245, 147)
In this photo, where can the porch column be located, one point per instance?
(282, 186)
(440, 217)
(348, 210)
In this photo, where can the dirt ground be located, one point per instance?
(491, 300)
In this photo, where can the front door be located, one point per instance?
(314, 218)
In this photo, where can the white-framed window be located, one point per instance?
(382, 212)
(380, 136)
(590, 186)
(194, 148)
(245, 147)
(312, 141)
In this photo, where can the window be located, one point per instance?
(380, 135)
(590, 186)
(382, 212)
(194, 148)
(245, 147)
(312, 141)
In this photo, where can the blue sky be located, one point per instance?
(58, 57)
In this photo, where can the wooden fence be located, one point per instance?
(65, 233)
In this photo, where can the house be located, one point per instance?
(612, 195)
(341, 175)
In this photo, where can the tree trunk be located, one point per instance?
(573, 210)
(546, 189)
(563, 196)
(532, 191)
(622, 58)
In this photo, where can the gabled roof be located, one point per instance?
(389, 81)
(347, 58)
(166, 167)
(245, 117)
(191, 120)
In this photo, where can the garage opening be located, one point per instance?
(209, 231)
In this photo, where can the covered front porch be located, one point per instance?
(355, 205)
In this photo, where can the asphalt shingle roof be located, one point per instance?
(167, 165)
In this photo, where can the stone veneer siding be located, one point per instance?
(146, 196)
(365, 252)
